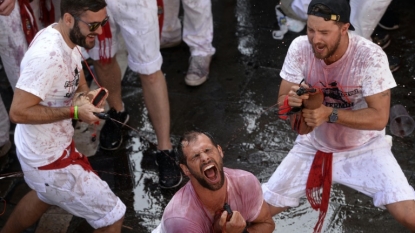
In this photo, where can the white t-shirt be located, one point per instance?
(50, 69)
(185, 213)
(362, 71)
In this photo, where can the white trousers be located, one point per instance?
(77, 191)
(364, 15)
(371, 170)
(137, 21)
(197, 24)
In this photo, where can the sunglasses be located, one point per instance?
(94, 26)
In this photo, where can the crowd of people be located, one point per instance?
(42, 57)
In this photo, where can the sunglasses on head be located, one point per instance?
(95, 25)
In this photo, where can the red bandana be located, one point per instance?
(320, 177)
(28, 20)
(160, 14)
(47, 17)
(105, 40)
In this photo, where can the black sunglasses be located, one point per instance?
(94, 26)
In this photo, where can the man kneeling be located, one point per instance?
(199, 205)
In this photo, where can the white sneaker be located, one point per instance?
(198, 70)
(286, 24)
(169, 42)
(282, 23)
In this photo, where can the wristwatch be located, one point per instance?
(333, 116)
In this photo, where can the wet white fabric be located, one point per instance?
(138, 23)
(370, 169)
(50, 70)
(300, 8)
(13, 45)
(362, 159)
(77, 191)
(185, 213)
(362, 71)
(364, 15)
(197, 25)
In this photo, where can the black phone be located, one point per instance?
(227, 207)
(99, 97)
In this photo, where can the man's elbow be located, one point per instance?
(14, 116)
(380, 124)
(272, 225)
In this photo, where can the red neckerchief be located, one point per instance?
(74, 158)
(28, 20)
(47, 17)
(320, 176)
(104, 39)
(160, 13)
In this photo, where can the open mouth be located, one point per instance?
(319, 48)
(92, 36)
(211, 172)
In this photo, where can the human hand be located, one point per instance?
(295, 100)
(316, 117)
(6, 7)
(236, 224)
(97, 97)
(80, 98)
(86, 113)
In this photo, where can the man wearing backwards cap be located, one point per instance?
(347, 144)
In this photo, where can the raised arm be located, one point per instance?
(26, 108)
(374, 117)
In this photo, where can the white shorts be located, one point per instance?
(138, 23)
(371, 170)
(77, 191)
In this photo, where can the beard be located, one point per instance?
(204, 183)
(78, 38)
(330, 50)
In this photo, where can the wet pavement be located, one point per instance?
(235, 105)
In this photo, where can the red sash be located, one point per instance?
(74, 158)
(160, 13)
(47, 17)
(320, 176)
(28, 20)
(105, 40)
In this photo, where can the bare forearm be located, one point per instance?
(374, 117)
(365, 119)
(262, 227)
(39, 114)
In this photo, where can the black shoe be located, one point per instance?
(169, 171)
(381, 37)
(4, 156)
(389, 21)
(111, 135)
(394, 63)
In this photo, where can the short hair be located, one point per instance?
(188, 137)
(325, 10)
(78, 7)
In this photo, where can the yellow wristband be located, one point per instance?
(75, 114)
